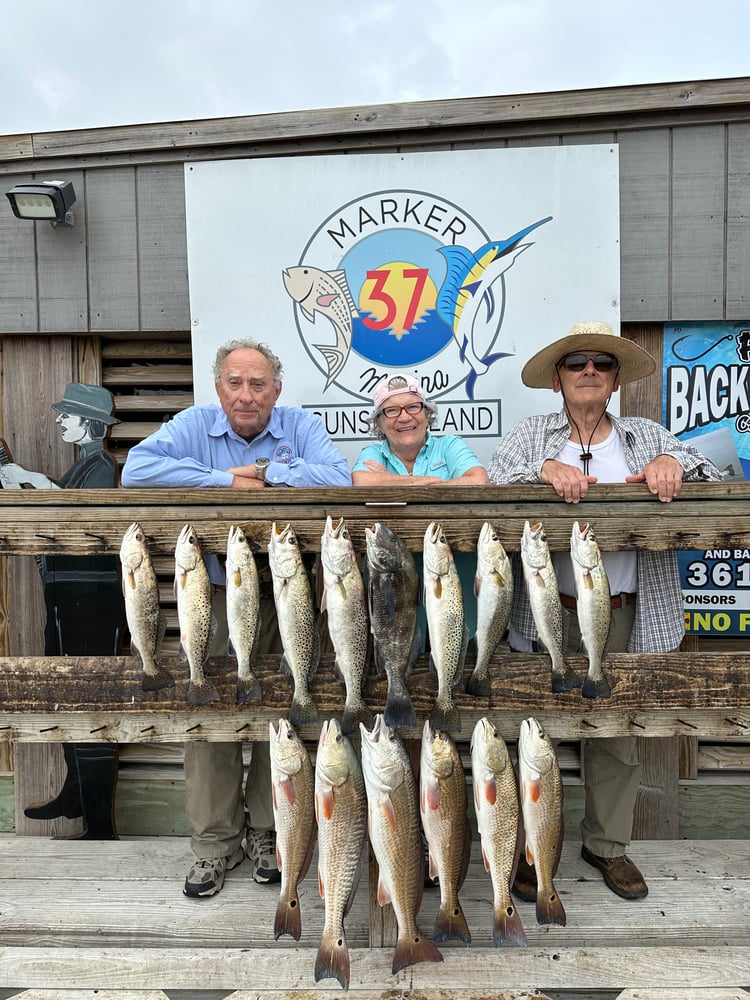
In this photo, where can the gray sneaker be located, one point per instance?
(261, 850)
(206, 875)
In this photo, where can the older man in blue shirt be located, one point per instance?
(246, 442)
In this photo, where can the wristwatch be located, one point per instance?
(261, 465)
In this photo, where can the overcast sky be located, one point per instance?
(71, 64)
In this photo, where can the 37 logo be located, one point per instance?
(405, 280)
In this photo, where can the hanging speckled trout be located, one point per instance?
(442, 806)
(146, 621)
(449, 636)
(498, 813)
(293, 790)
(396, 838)
(294, 608)
(345, 601)
(493, 587)
(544, 597)
(593, 604)
(341, 812)
(194, 592)
(542, 807)
(243, 612)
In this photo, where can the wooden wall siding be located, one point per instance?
(62, 267)
(18, 292)
(738, 216)
(644, 223)
(697, 226)
(162, 248)
(113, 249)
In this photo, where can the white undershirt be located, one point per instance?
(609, 466)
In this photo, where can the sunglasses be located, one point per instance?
(578, 362)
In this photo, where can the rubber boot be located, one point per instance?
(97, 776)
(67, 802)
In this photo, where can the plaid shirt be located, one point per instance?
(659, 618)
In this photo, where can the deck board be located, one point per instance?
(112, 915)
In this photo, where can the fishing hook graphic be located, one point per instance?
(728, 336)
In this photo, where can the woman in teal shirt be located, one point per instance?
(407, 454)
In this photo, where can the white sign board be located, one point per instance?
(454, 267)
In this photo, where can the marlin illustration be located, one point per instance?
(469, 285)
(327, 293)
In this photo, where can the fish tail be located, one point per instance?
(450, 923)
(399, 711)
(508, 928)
(157, 679)
(332, 960)
(353, 715)
(564, 679)
(479, 682)
(248, 689)
(549, 908)
(446, 717)
(288, 918)
(303, 709)
(596, 688)
(413, 949)
(201, 692)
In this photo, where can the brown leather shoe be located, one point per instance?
(620, 874)
(525, 884)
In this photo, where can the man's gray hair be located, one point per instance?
(247, 344)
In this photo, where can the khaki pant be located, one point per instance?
(611, 767)
(215, 797)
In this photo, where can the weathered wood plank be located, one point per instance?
(90, 521)
(114, 294)
(585, 104)
(697, 227)
(657, 993)
(644, 203)
(162, 248)
(100, 698)
(738, 211)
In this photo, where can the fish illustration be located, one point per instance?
(325, 292)
(467, 287)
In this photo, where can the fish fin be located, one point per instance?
(431, 790)
(529, 854)
(288, 918)
(324, 805)
(309, 314)
(326, 300)
(446, 717)
(532, 789)
(303, 710)
(386, 807)
(416, 948)
(478, 683)
(315, 655)
(384, 897)
(334, 359)
(565, 680)
(508, 928)
(450, 924)
(352, 715)
(399, 712)
(588, 582)
(181, 654)
(489, 789)
(248, 689)
(321, 884)
(549, 908)
(201, 692)
(287, 787)
(231, 651)
(284, 665)
(596, 688)
(332, 959)
(130, 578)
(155, 682)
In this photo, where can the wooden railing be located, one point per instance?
(100, 698)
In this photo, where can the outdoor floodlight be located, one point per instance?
(44, 200)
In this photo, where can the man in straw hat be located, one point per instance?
(570, 449)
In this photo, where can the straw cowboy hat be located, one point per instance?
(635, 363)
